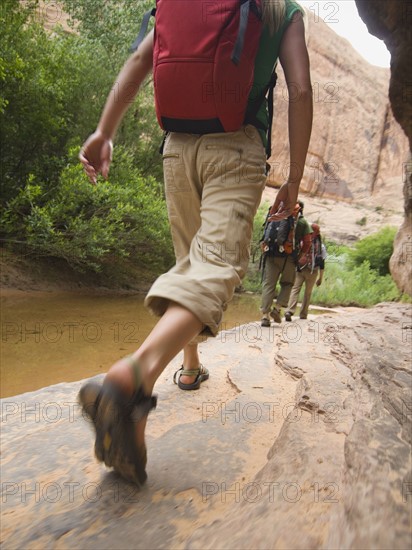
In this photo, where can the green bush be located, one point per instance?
(258, 224)
(51, 92)
(375, 249)
(252, 280)
(362, 221)
(361, 286)
(93, 227)
(54, 86)
(112, 27)
(351, 279)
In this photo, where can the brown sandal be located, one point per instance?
(114, 416)
(201, 374)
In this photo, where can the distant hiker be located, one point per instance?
(214, 173)
(309, 273)
(279, 262)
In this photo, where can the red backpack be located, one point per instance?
(203, 62)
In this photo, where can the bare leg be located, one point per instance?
(175, 329)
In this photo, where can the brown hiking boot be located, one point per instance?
(275, 314)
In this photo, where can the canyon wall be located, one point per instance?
(357, 150)
(390, 20)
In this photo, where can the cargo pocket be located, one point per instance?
(238, 235)
(175, 176)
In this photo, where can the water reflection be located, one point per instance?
(51, 338)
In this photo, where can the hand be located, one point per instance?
(285, 201)
(96, 156)
(318, 282)
(302, 261)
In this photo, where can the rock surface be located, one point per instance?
(300, 439)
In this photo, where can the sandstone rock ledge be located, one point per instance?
(300, 439)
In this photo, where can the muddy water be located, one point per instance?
(49, 338)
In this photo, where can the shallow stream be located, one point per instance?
(54, 337)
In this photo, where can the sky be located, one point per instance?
(342, 16)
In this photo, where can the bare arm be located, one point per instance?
(295, 62)
(96, 153)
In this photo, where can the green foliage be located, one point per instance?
(93, 227)
(252, 281)
(358, 276)
(362, 221)
(53, 88)
(337, 253)
(113, 26)
(375, 249)
(258, 224)
(49, 86)
(353, 286)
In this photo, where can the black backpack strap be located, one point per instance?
(243, 19)
(262, 265)
(246, 7)
(162, 145)
(143, 29)
(272, 85)
(260, 262)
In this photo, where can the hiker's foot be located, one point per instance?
(119, 411)
(288, 316)
(186, 379)
(190, 379)
(275, 314)
(124, 373)
(265, 321)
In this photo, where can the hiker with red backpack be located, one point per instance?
(309, 273)
(213, 66)
(279, 264)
